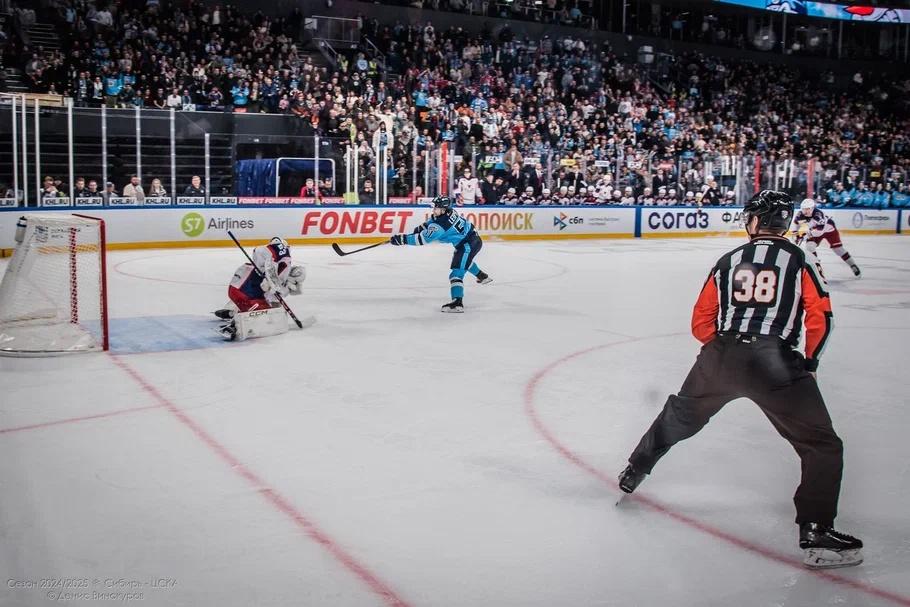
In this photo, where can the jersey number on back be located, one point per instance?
(754, 285)
(457, 222)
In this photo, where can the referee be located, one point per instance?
(749, 316)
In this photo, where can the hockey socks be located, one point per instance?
(843, 254)
(456, 284)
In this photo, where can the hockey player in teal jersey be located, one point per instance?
(446, 225)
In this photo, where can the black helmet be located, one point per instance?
(773, 209)
(443, 202)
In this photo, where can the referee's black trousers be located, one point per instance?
(769, 372)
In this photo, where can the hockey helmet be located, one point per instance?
(443, 202)
(773, 209)
(807, 206)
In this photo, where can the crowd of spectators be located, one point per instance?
(540, 114)
(53, 188)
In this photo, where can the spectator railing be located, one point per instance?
(113, 145)
(337, 30)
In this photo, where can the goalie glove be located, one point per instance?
(270, 288)
(295, 279)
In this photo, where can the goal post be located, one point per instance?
(53, 297)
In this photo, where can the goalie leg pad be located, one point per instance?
(260, 323)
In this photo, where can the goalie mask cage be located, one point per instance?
(53, 298)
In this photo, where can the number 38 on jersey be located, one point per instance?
(754, 285)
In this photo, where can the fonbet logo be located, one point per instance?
(675, 220)
(194, 224)
(563, 221)
(355, 222)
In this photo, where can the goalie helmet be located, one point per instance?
(773, 209)
(278, 241)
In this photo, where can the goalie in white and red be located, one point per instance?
(253, 309)
(819, 227)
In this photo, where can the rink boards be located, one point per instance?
(206, 226)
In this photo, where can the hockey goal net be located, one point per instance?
(53, 297)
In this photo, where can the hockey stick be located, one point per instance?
(338, 250)
(261, 274)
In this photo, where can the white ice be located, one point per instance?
(391, 454)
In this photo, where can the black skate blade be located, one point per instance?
(622, 497)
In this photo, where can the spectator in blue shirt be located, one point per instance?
(901, 198)
(837, 196)
(112, 84)
(864, 196)
(882, 196)
(241, 94)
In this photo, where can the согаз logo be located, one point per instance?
(671, 220)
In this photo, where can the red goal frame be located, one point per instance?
(74, 291)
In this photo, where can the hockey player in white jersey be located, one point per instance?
(253, 309)
(819, 227)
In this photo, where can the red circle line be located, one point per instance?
(656, 506)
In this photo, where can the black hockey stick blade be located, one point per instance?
(338, 250)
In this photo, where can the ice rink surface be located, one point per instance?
(393, 455)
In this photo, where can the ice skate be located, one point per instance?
(826, 548)
(483, 278)
(454, 306)
(856, 271)
(629, 480)
(224, 313)
(228, 331)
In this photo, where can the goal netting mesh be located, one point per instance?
(53, 294)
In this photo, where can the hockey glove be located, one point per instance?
(295, 280)
(270, 289)
(398, 239)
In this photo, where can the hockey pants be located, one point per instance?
(770, 373)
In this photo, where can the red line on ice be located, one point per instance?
(71, 420)
(278, 501)
(609, 479)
